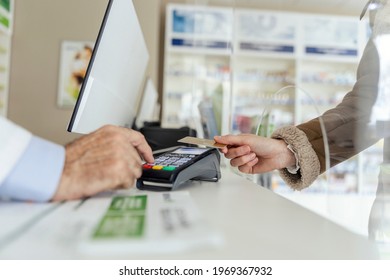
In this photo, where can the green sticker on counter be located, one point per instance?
(125, 218)
(122, 226)
(128, 203)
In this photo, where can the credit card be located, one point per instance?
(201, 141)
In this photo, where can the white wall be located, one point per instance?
(40, 27)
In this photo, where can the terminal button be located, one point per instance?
(157, 167)
(147, 166)
(169, 168)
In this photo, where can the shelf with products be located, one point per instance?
(196, 64)
(313, 100)
(256, 87)
(190, 79)
(326, 78)
(322, 84)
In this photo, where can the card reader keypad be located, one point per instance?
(176, 167)
(169, 162)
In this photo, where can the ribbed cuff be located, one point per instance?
(308, 159)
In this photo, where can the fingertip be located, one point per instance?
(218, 139)
(149, 158)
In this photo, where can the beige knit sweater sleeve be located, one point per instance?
(307, 157)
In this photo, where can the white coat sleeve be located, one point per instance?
(13, 142)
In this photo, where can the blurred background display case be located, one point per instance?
(232, 70)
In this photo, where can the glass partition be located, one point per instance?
(232, 68)
(378, 126)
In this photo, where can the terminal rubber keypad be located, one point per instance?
(169, 162)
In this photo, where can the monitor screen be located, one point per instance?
(111, 89)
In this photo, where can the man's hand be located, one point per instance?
(107, 159)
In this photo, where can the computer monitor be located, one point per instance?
(110, 92)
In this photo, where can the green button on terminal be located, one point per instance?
(169, 168)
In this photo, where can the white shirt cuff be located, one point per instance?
(294, 168)
(36, 175)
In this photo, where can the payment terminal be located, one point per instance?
(171, 169)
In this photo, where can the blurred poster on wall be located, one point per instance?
(6, 5)
(6, 11)
(75, 56)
